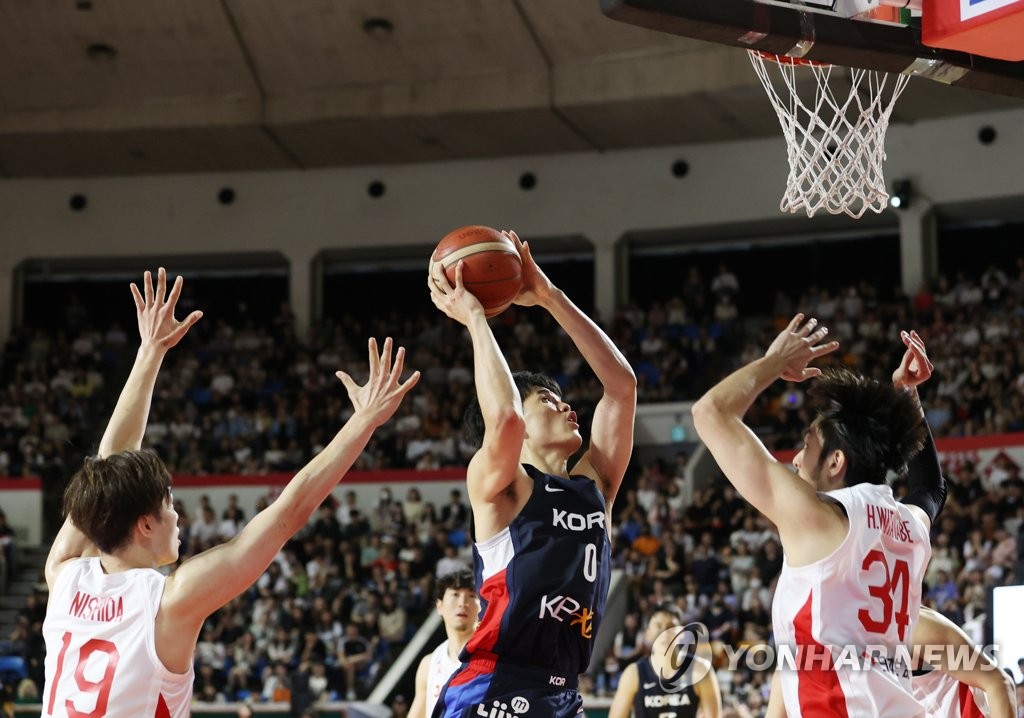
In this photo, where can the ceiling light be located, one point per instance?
(901, 193)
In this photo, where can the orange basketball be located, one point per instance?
(493, 271)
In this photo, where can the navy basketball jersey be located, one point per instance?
(543, 580)
(652, 701)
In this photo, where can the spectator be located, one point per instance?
(354, 654)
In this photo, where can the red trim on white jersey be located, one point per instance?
(818, 684)
(101, 647)
(862, 600)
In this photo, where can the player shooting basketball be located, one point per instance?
(542, 546)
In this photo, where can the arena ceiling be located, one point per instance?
(101, 87)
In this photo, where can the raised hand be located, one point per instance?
(379, 398)
(798, 345)
(155, 310)
(915, 368)
(536, 285)
(454, 300)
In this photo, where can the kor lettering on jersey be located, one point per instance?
(94, 608)
(664, 700)
(576, 522)
(889, 523)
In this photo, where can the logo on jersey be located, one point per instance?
(667, 700)
(562, 607)
(585, 620)
(576, 522)
(497, 709)
(685, 650)
(551, 488)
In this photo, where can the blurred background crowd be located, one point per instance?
(248, 396)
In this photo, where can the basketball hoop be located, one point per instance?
(836, 145)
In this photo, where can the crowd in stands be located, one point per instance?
(51, 391)
(250, 398)
(331, 613)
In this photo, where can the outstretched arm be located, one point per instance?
(495, 466)
(206, 582)
(927, 486)
(611, 434)
(159, 331)
(718, 417)
(942, 644)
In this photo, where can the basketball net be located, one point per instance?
(836, 143)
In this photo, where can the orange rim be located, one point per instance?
(788, 60)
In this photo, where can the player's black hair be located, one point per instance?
(456, 581)
(877, 426)
(109, 494)
(527, 382)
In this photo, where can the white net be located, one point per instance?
(836, 142)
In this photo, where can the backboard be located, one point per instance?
(833, 32)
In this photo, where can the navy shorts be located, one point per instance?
(486, 688)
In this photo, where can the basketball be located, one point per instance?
(492, 271)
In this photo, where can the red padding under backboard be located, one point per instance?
(991, 28)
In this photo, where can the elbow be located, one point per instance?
(628, 378)
(704, 412)
(710, 416)
(622, 388)
(509, 424)
(627, 382)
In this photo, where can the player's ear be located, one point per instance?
(836, 465)
(145, 525)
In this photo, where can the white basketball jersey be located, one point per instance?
(441, 669)
(100, 648)
(842, 624)
(945, 697)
